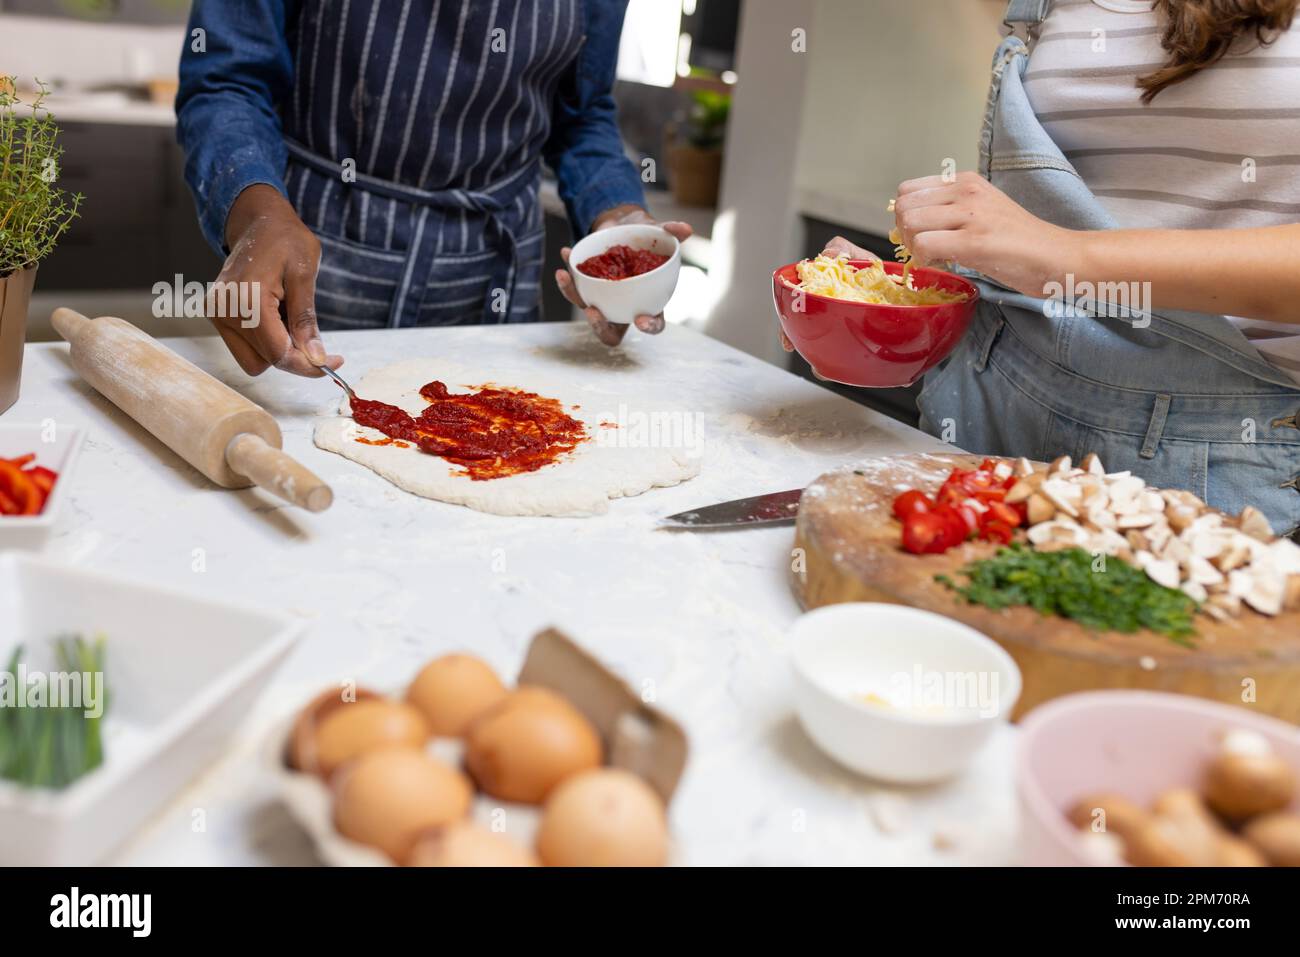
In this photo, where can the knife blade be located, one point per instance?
(774, 508)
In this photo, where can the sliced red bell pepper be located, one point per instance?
(23, 460)
(43, 478)
(15, 483)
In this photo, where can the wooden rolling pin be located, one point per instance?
(231, 440)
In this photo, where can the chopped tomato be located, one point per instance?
(929, 532)
(1002, 512)
(969, 503)
(955, 492)
(969, 516)
(997, 531)
(911, 501)
(17, 485)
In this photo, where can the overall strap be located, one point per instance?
(1023, 16)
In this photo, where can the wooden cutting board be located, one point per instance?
(850, 552)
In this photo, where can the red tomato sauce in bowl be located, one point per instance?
(622, 262)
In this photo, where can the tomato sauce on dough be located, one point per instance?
(491, 433)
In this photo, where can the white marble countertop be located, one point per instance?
(701, 616)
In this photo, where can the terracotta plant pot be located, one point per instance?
(696, 174)
(15, 296)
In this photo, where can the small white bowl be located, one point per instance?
(182, 673)
(622, 300)
(896, 693)
(56, 450)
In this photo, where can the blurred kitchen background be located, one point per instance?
(773, 125)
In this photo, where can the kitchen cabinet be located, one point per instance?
(137, 224)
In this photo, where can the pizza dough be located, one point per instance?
(635, 445)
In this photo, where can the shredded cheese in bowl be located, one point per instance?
(837, 279)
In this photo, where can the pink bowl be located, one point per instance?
(1137, 744)
(879, 347)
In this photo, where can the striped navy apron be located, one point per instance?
(415, 130)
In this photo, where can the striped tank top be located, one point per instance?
(1220, 150)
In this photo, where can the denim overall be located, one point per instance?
(1184, 401)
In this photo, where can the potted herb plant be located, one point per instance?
(695, 155)
(34, 213)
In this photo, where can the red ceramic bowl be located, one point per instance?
(878, 347)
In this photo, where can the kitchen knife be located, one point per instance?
(774, 508)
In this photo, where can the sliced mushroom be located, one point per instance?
(1092, 464)
(1157, 535)
(1266, 595)
(1024, 467)
(1136, 520)
(1060, 465)
(1204, 573)
(1195, 591)
(1180, 517)
(1230, 605)
(1019, 492)
(1057, 531)
(1161, 571)
(1063, 495)
(1232, 557)
(1291, 593)
(1285, 556)
(1093, 495)
(1040, 509)
(1253, 523)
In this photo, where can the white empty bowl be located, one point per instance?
(896, 693)
(182, 672)
(56, 449)
(622, 300)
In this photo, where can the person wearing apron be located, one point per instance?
(1181, 398)
(375, 164)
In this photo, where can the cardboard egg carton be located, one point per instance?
(636, 737)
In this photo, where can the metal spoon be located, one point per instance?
(339, 379)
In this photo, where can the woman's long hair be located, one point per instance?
(1198, 33)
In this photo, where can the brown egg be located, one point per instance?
(603, 818)
(1277, 836)
(467, 845)
(302, 740)
(529, 743)
(1111, 813)
(351, 730)
(452, 691)
(387, 798)
(1239, 786)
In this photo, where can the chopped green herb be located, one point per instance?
(1119, 597)
(48, 744)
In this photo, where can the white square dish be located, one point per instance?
(181, 671)
(60, 454)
